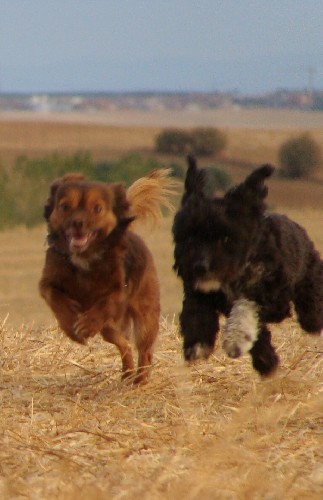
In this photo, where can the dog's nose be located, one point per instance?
(200, 269)
(77, 224)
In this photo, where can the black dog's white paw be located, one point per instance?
(197, 351)
(241, 329)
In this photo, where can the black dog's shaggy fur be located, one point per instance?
(235, 259)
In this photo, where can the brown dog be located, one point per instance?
(99, 276)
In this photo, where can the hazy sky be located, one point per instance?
(125, 45)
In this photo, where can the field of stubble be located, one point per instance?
(70, 429)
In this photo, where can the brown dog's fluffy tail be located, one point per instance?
(149, 195)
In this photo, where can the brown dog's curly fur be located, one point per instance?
(238, 260)
(99, 276)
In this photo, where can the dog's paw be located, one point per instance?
(235, 349)
(241, 329)
(73, 305)
(197, 351)
(85, 326)
(266, 362)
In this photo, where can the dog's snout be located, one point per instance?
(200, 268)
(77, 223)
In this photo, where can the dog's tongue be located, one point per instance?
(79, 241)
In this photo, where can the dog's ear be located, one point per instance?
(121, 204)
(49, 206)
(255, 181)
(195, 181)
(251, 193)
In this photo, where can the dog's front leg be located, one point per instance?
(245, 331)
(106, 309)
(65, 309)
(87, 324)
(199, 322)
(264, 356)
(241, 329)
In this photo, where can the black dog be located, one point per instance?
(235, 259)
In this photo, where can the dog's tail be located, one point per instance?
(149, 195)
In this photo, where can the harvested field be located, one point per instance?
(254, 135)
(228, 117)
(70, 429)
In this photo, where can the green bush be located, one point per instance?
(174, 141)
(299, 157)
(102, 171)
(7, 204)
(128, 169)
(218, 179)
(178, 170)
(207, 141)
(199, 141)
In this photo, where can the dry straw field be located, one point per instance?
(70, 429)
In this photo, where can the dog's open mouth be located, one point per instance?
(80, 242)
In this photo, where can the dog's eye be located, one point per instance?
(97, 208)
(64, 206)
